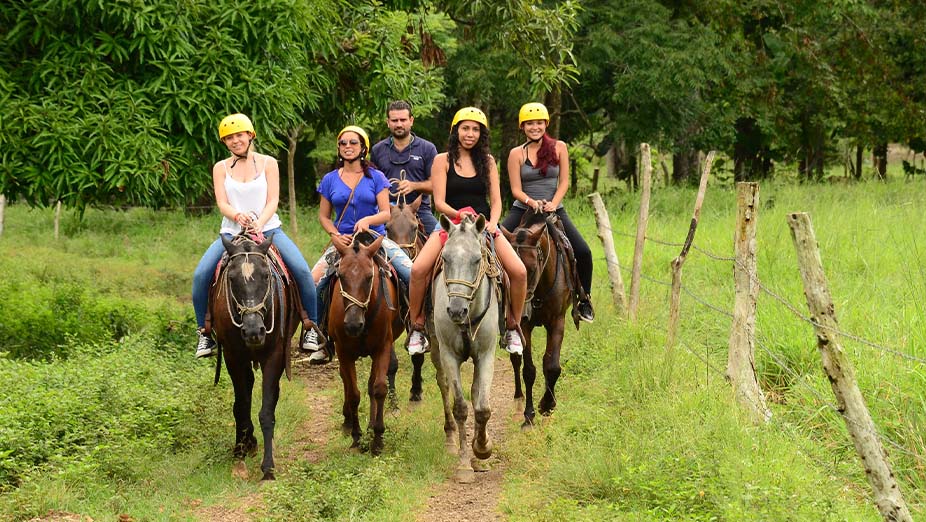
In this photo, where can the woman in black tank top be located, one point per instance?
(466, 176)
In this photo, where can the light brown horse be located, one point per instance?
(254, 315)
(403, 229)
(363, 320)
(549, 295)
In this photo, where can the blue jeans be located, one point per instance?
(295, 263)
(394, 253)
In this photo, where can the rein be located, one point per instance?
(257, 309)
(544, 260)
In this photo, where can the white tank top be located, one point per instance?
(248, 198)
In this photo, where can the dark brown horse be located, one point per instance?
(403, 229)
(364, 320)
(254, 314)
(549, 295)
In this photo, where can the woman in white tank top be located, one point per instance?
(247, 192)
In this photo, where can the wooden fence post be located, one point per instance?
(642, 220)
(607, 242)
(849, 400)
(677, 263)
(595, 175)
(741, 367)
(2, 211)
(57, 217)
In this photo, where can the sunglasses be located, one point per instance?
(344, 143)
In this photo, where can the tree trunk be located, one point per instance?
(750, 154)
(293, 137)
(685, 166)
(880, 156)
(858, 161)
(555, 103)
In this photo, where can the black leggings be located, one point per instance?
(579, 246)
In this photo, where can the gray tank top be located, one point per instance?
(536, 185)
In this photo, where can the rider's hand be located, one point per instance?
(405, 187)
(362, 224)
(491, 227)
(343, 239)
(243, 220)
(548, 206)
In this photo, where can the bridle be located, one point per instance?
(486, 268)
(543, 259)
(260, 308)
(353, 301)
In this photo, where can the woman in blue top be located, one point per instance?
(359, 196)
(247, 191)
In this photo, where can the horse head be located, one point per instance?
(249, 289)
(533, 246)
(357, 274)
(464, 265)
(402, 227)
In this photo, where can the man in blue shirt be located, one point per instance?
(402, 150)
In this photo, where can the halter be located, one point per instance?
(258, 309)
(544, 259)
(410, 248)
(485, 269)
(353, 301)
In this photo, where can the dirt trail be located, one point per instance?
(472, 499)
(456, 501)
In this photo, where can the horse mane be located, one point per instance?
(529, 222)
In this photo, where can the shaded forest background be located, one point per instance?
(106, 102)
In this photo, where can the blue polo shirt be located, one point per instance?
(363, 203)
(415, 159)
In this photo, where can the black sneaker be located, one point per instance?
(205, 347)
(586, 312)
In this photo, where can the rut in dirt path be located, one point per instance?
(476, 497)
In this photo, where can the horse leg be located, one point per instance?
(417, 363)
(378, 389)
(483, 370)
(390, 375)
(272, 370)
(516, 367)
(242, 377)
(530, 375)
(348, 370)
(443, 384)
(455, 385)
(551, 367)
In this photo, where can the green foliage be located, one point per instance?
(107, 103)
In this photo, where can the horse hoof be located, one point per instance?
(464, 476)
(483, 453)
(452, 447)
(480, 465)
(240, 470)
(527, 425)
(268, 475)
(415, 397)
(518, 395)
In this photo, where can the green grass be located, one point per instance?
(106, 412)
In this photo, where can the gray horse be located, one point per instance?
(465, 326)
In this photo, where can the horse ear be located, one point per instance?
(230, 247)
(508, 235)
(264, 247)
(415, 204)
(373, 247)
(444, 223)
(480, 223)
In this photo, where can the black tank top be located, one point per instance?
(466, 192)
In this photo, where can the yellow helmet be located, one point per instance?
(470, 113)
(358, 130)
(533, 111)
(235, 123)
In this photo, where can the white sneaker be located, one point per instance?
(513, 342)
(417, 343)
(310, 341)
(205, 347)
